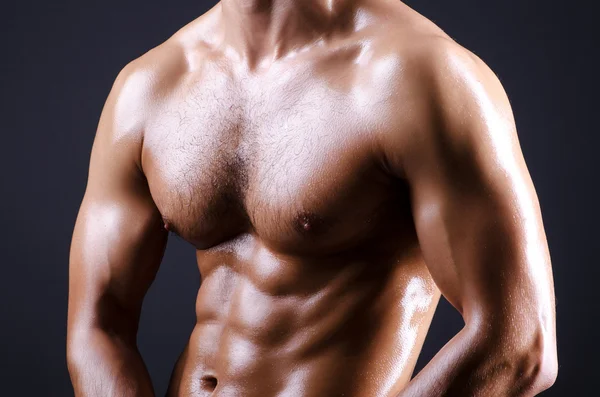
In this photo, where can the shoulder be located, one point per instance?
(429, 60)
(143, 82)
(417, 39)
(456, 76)
(457, 87)
(447, 99)
(138, 92)
(428, 55)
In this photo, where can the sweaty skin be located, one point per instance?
(338, 166)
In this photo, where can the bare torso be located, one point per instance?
(337, 165)
(313, 283)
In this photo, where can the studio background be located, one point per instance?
(58, 62)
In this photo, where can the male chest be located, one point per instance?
(297, 166)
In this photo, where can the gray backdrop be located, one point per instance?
(59, 59)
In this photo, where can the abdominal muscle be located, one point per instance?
(267, 325)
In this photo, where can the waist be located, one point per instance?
(356, 336)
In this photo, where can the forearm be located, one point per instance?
(472, 364)
(104, 365)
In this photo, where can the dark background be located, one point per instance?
(58, 62)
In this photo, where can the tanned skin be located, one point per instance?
(337, 168)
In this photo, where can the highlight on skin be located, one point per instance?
(337, 166)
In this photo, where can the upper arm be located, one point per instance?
(118, 240)
(474, 205)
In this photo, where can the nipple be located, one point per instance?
(170, 228)
(307, 222)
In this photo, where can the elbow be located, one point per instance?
(82, 344)
(76, 349)
(74, 360)
(540, 367)
(535, 364)
(548, 376)
(541, 358)
(522, 358)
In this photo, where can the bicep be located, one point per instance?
(480, 231)
(118, 239)
(475, 208)
(116, 249)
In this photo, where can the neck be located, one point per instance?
(262, 31)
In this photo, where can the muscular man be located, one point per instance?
(337, 165)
